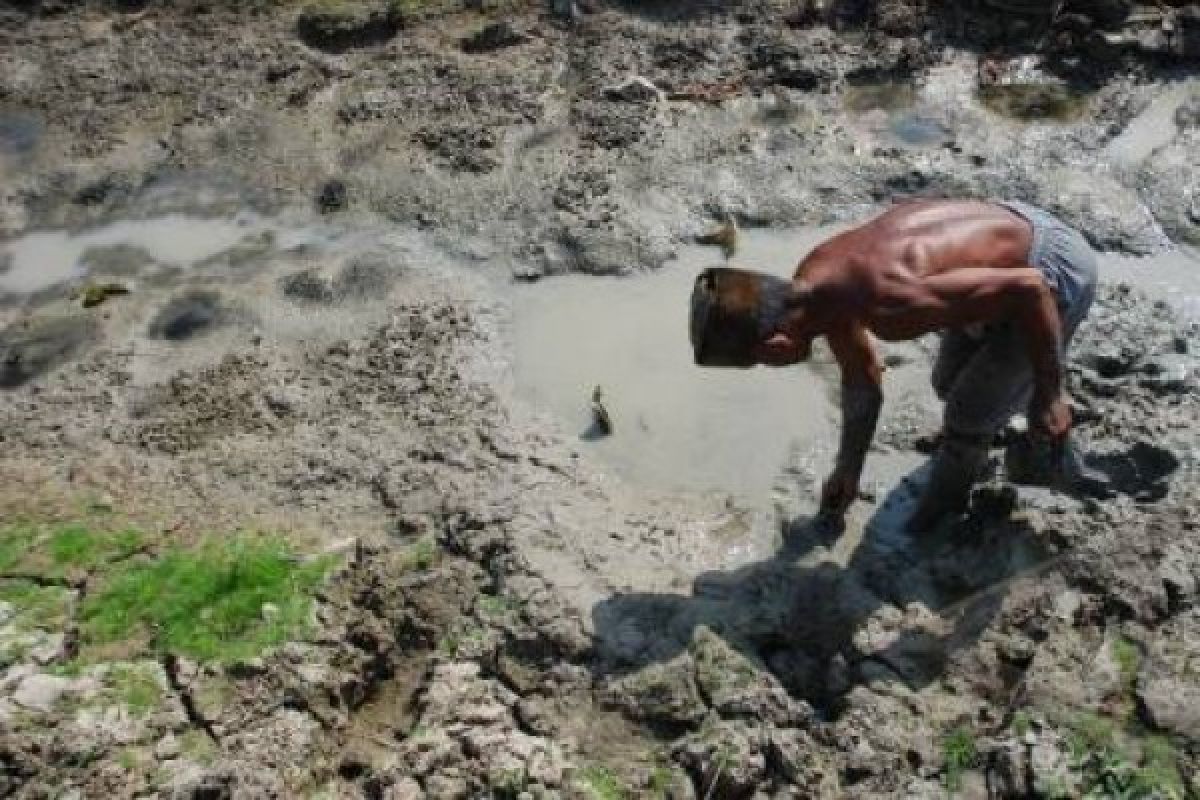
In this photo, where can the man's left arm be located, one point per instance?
(862, 397)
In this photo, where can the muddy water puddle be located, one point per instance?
(675, 425)
(1153, 128)
(904, 122)
(43, 259)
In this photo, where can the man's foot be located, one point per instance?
(958, 463)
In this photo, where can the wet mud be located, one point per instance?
(378, 265)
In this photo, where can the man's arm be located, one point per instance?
(862, 397)
(982, 295)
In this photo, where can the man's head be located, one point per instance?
(738, 320)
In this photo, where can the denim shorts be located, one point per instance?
(985, 376)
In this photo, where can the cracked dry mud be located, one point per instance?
(321, 213)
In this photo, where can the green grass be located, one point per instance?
(42, 607)
(1128, 659)
(1123, 764)
(422, 554)
(206, 602)
(601, 783)
(136, 688)
(196, 746)
(51, 551)
(958, 755)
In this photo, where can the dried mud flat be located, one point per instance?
(503, 613)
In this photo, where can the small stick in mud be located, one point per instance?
(725, 236)
(601, 421)
(96, 293)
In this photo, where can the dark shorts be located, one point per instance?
(984, 374)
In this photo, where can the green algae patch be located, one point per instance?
(224, 600)
(1033, 101)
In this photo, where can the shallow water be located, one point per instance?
(42, 259)
(1151, 129)
(19, 132)
(918, 130)
(676, 426)
(1173, 276)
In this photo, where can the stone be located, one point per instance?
(167, 748)
(1170, 704)
(406, 788)
(332, 197)
(41, 692)
(663, 693)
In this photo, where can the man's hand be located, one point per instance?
(1050, 417)
(838, 492)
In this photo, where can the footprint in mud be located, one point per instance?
(190, 314)
(32, 348)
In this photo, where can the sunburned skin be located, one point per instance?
(919, 267)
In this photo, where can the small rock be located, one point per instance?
(1170, 704)
(167, 748)
(635, 90)
(41, 692)
(404, 789)
(332, 197)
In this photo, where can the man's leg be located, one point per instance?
(954, 351)
(995, 382)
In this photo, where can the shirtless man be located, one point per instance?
(1006, 284)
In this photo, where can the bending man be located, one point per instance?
(1006, 284)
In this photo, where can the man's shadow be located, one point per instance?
(823, 628)
(899, 608)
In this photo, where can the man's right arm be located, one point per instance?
(964, 296)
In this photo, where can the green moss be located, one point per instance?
(1031, 101)
(958, 755)
(423, 554)
(1021, 722)
(601, 783)
(207, 602)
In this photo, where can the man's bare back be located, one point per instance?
(919, 267)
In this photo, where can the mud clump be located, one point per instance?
(189, 315)
(496, 36)
(345, 24)
(31, 348)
